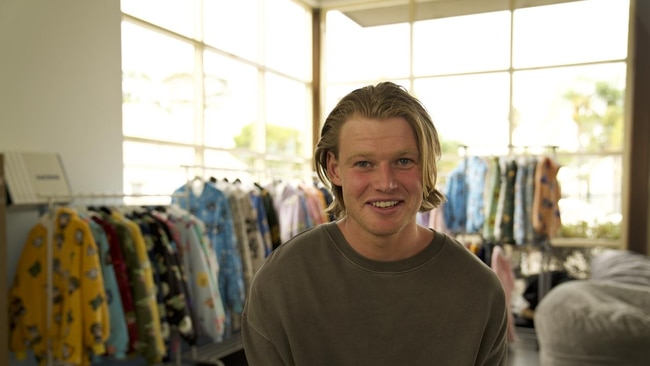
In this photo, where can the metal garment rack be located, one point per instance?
(204, 354)
(54, 201)
(545, 246)
(544, 278)
(257, 174)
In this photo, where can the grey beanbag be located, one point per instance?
(594, 322)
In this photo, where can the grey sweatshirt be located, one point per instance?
(316, 301)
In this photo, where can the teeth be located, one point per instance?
(384, 204)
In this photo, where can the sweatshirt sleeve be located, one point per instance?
(259, 350)
(495, 345)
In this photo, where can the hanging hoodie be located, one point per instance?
(79, 326)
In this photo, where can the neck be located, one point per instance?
(386, 248)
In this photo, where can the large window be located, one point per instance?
(214, 88)
(544, 80)
(227, 84)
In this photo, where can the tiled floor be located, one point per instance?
(523, 352)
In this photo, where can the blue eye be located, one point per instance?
(362, 164)
(404, 161)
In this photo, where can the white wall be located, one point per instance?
(60, 86)
(60, 91)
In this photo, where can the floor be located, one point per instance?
(235, 359)
(523, 352)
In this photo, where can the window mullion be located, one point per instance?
(199, 86)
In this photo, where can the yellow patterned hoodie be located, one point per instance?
(80, 318)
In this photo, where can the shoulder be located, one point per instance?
(305, 243)
(299, 253)
(467, 265)
(291, 268)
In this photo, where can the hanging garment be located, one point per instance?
(271, 215)
(524, 189)
(171, 286)
(262, 220)
(180, 312)
(519, 215)
(529, 198)
(492, 194)
(256, 249)
(213, 210)
(475, 179)
(546, 212)
(437, 220)
(122, 278)
(315, 202)
(291, 209)
(501, 201)
(200, 262)
(239, 213)
(150, 344)
(455, 212)
(507, 203)
(165, 332)
(80, 317)
(501, 266)
(329, 198)
(117, 344)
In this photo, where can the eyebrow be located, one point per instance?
(365, 155)
(357, 156)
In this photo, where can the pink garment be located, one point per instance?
(315, 207)
(501, 266)
(437, 220)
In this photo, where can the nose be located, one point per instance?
(385, 178)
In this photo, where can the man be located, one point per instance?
(374, 287)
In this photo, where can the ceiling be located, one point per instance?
(380, 12)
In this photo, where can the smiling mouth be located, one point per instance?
(384, 204)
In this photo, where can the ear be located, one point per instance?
(333, 169)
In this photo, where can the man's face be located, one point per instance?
(379, 171)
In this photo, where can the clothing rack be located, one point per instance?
(212, 352)
(553, 148)
(54, 201)
(545, 246)
(198, 355)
